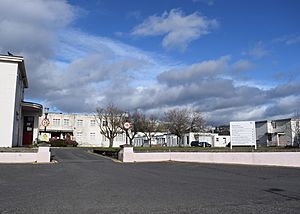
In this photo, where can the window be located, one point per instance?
(78, 135)
(66, 122)
(79, 122)
(273, 124)
(92, 135)
(269, 137)
(56, 122)
(93, 122)
(120, 137)
(217, 139)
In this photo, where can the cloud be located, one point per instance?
(73, 71)
(258, 51)
(28, 26)
(208, 2)
(288, 39)
(177, 28)
(195, 72)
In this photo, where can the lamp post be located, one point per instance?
(46, 111)
(126, 126)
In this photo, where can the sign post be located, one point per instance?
(126, 126)
(242, 133)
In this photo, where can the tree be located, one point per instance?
(110, 121)
(136, 120)
(150, 125)
(181, 121)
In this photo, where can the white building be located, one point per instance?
(165, 139)
(18, 119)
(84, 128)
(283, 132)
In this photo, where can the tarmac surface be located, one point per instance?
(87, 183)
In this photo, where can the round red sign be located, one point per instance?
(127, 125)
(45, 122)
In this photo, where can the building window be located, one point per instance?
(269, 137)
(217, 139)
(56, 122)
(93, 122)
(78, 135)
(120, 137)
(66, 122)
(273, 124)
(79, 122)
(92, 135)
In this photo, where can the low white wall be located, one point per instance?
(41, 156)
(290, 159)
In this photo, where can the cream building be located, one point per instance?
(18, 119)
(84, 128)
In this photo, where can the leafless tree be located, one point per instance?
(151, 125)
(136, 120)
(181, 121)
(110, 121)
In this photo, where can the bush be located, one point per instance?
(62, 143)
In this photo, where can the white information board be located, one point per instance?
(242, 133)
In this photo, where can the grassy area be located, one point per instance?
(214, 149)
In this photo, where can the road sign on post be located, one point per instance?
(127, 125)
(45, 122)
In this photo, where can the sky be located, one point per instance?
(231, 60)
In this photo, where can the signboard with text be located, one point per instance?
(242, 133)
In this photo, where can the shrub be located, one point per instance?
(62, 143)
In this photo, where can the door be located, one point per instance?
(28, 130)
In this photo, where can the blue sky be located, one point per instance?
(231, 60)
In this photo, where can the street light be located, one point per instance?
(126, 126)
(46, 111)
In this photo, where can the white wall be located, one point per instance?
(86, 133)
(8, 81)
(290, 159)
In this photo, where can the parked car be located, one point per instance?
(200, 144)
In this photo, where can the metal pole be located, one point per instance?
(45, 127)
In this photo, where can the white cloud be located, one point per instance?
(73, 71)
(289, 39)
(177, 28)
(258, 51)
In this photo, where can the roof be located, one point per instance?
(21, 65)
(32, 107)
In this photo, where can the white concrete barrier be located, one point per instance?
(289, 159)
(43, 155)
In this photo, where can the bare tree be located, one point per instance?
(181, 121)
(110, 121)
(136, 120)
(151, 125)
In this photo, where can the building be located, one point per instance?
(18, 119)
(166, 139)
(83, 128)
(283, 132)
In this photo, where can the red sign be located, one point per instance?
(45, 122)
(127, 125)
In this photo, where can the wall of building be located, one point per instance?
(83, 127)
(8, 78)
(18, 119)
(261, 133)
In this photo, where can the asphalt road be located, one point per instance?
(88, 183)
